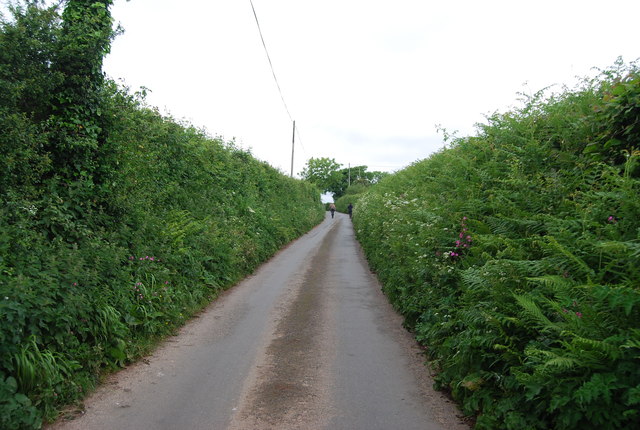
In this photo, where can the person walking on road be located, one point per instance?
(350, 209)
(332, 208)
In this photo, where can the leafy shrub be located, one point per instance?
(351, 195)
(514, 257)
(16, 410)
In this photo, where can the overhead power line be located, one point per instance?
(269, 58)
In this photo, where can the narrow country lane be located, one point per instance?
(307, 342)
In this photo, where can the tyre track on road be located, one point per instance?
(290, 389)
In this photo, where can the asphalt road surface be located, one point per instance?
(307, 342)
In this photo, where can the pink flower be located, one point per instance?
(579, 314)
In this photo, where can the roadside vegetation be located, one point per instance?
(351, 196)
(116, 223)
(515, 257)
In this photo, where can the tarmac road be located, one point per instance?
(307, 342)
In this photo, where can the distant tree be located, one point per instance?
(323, 172)
(328, 175)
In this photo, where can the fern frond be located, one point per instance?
(562, 363)
(473, 279)
(515, 226)
(552, 360)
(613, 246)
(554, 282)
(608, 350)
(633, 343)
(618, 297)
(574, 261)
(533, 310)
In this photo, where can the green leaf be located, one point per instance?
(612, 143)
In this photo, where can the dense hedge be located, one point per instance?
(110, 238)
(192, 216)
(515, 257)
(351, 196)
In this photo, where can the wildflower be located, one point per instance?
(131, 257)
(579, 314)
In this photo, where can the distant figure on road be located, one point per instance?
(350, 209)
(332, 208)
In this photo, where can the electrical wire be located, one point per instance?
(269, 58)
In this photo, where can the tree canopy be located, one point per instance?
(331, 177)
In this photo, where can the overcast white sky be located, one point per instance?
(366, 81)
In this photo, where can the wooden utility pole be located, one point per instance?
(293, 145)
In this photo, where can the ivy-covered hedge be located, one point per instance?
(515, 257)
(116, 223)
